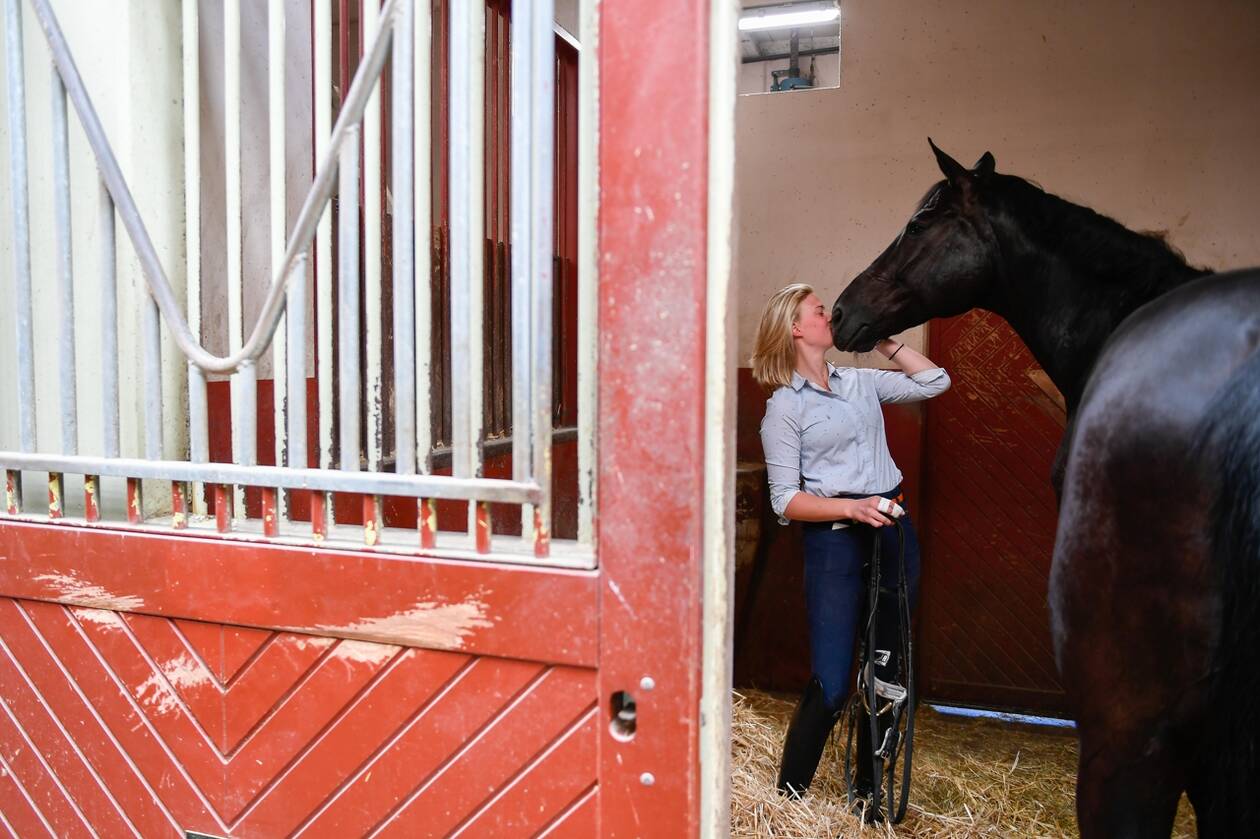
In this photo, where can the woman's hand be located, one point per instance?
(876, 510)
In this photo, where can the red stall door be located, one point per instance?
(990, 518)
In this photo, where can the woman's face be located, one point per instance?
(813, 323)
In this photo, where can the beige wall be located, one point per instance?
(1147, 112)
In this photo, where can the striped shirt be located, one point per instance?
(832, 442)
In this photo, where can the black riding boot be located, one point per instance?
(806, 736)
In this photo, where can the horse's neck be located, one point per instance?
(1065, 307)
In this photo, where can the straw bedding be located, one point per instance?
(971, 778)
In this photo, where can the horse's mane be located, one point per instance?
(1145, 264)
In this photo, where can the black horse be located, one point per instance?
(1155, 585)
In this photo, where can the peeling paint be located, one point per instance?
(158, 691)
(70, 587)
(364, 652)
(101, 617)
(443, 626)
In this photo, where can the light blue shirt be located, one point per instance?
(832, 442)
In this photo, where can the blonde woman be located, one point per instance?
(828, 466)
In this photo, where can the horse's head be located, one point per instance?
(940, 264)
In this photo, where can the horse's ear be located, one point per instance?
(952, 169)
(984, 166)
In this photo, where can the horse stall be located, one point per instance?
(350, 488)
(1144, 113)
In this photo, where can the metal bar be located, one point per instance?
(496, 490)
(271, 511)
(348, 305)
(780, 56)
(542, 236)
(521, 228)
(65, 267)
(303, 229)
(467, 48)
(426, 515)
(245, 421)
(373, 519)
(109, 324)
(198, 422)
(296, 414)
(321, 512)
(179, 505)
(423, 223)
(223, 508)
(13, 491)
(323, 235)
(404, 280)
(481, 513)
(374, 390)
(135, 500)
(151, 328)
(56, 495)
(232, 167)
(21, 226)
(91, 498)
(279, 207)
(588, 268)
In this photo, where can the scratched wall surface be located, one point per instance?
(989, 522)
(119, 724)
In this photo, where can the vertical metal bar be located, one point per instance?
(321, 514)
(297, 364)
(56, 495)
(423, 222)
(402, 124)
(588, 266)
(542, 140)
(65, 267)
(179, 505)
(481, 513)
(245, 423)
(372, 255)
(21, 227)
(198, 422)
(91, 498)
(521, 207)
(152, 330)
(348, 302)
(232, 202)
(271, 512)
(12, 491)
(373, 518)
(109, 324)
(135, 501)
(276, 168)
(323, 236)
(427, 517)
(467, 49)
(223, 507)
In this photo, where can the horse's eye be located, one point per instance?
(914, 228)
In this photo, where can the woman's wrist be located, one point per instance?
(887, 347)
(843, 508)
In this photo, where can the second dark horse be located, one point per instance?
(1155, 583)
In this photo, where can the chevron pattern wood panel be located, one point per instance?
(119, 724)
(989, 522)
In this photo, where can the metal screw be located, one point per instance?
(647, 779)
(647, 683)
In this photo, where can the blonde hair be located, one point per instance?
(774, 351)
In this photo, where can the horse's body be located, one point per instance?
(1155, 584)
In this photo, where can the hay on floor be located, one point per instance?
(971, 778)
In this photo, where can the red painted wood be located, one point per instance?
(653, 154)
(469, 606)
(989, 523)
(223, 649)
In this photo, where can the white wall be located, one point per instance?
(128, 54)
(1146, 112)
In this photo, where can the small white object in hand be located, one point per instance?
(892, 508)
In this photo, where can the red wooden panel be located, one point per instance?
(988, 524)
(652, 222)
(444, 604)
(98, 733)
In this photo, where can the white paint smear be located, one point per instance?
(442, 626)
(70, 587)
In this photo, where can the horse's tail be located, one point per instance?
(1230, 441)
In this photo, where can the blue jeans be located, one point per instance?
(835, 593)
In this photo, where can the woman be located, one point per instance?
(828, 466)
